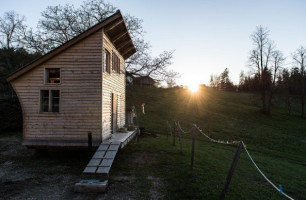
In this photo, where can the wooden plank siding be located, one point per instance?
(85, 91)
(112, 83)
(80, 97)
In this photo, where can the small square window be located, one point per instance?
(53, 75)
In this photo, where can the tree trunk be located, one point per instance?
(303, 88)
(302, 96)
(264, 96)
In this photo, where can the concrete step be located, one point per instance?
(91, 186)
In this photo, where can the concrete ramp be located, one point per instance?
(101, 162)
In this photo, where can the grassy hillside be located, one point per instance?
(154, 169)
(277, 143)
(223, 115)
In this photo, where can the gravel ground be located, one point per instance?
(32, 174)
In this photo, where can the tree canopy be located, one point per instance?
(61, 23)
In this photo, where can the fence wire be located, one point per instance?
(250, 157)
(232, 142)
(182, 131)
(283, 193)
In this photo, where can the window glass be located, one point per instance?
(106, 60)
(55, 100)
(45, 100)
(53, 75)
(116, 63)
(49, 100)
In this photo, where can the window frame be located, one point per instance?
(50, 101)
(115, 62)
(106, 62)
(45, 75)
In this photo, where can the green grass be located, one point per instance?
(155, 169)
(277, 143)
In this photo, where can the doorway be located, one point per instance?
(114, 112)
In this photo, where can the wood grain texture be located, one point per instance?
(85, 95)
(80, 95)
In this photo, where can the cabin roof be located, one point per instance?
(114, 27)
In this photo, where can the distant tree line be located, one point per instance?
(20, 44)
(288, 82)
(222, 81)
(269, 76)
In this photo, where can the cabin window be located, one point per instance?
(106, 60)
(52, 75)
(116, 63)
(49, 101)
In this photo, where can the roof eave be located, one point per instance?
(68, 44)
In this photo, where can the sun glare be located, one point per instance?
(193, 87)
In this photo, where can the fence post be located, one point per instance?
(137, 135)
(192, 147)
(180, 138)
(231, 171)
(168, 129)
(173, 134)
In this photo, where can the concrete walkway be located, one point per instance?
(101, 162)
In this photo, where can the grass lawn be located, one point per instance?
(277, 144)
(154, 169)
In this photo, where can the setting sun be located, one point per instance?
(193, 87)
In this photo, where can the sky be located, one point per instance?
(206, 36)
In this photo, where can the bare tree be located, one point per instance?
(142, 64)
(10, 26)
(260, 58)
(277, 59)
(214, 80)
(241, 77)
(170, 82)
(12, 55)
(300, 58)
(61, 23)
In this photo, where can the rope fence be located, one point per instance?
(177, 129)
(280, 190)
(179, 126)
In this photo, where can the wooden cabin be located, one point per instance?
(77, 89)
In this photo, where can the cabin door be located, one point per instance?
(114, 112)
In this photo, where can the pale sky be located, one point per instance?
(207, 36)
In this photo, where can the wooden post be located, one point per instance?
(173, 134)
(231, 171)
(192, 147)
(138, 135)
(168, 130)
(180, 139)
(89, 141)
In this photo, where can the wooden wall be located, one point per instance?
(80, 97)
(112, 83)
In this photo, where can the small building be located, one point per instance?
(129, 78)
(77, 88)
(146, 81)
